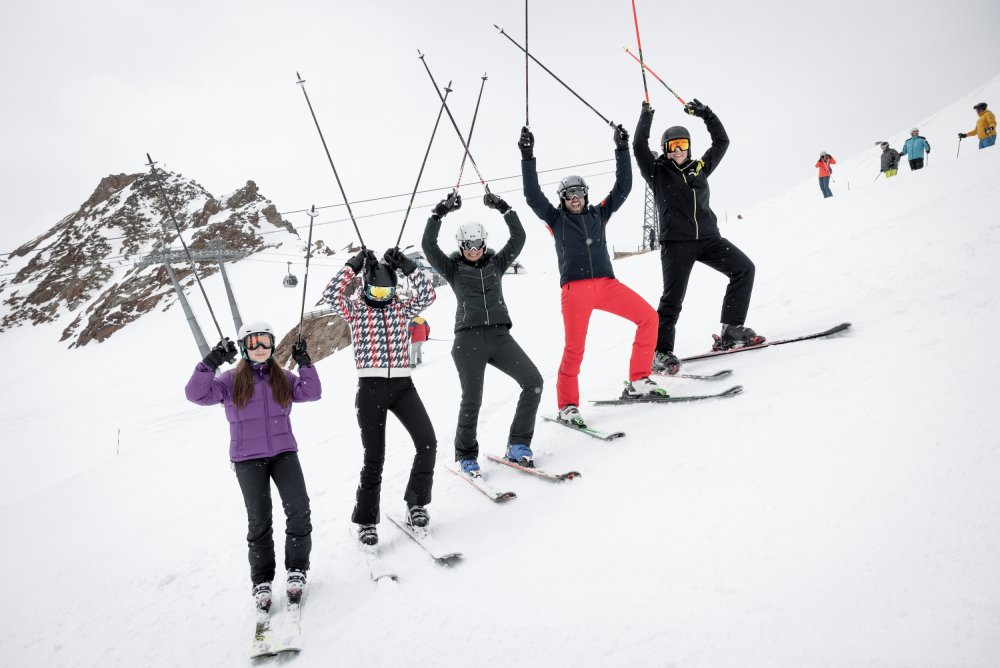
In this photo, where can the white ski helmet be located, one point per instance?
(912, 130)
(471, 232)
(255, 327)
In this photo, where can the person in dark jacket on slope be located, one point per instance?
(689, 231)
(585, 274)
(258, 396)
(482, 328)
(890, 160)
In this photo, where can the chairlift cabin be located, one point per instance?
(290, 281)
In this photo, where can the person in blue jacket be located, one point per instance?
(914, 149)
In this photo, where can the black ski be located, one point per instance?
(660, 399)
(596, 433)
(767, 344)
(545, 475)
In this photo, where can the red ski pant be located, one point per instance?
(579, 299)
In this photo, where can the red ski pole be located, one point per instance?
(642, 66)
(645, 68)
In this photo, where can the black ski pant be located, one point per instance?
(255, 476)
(916, 163)
(376, 397)
(677, 259)
(473, 349)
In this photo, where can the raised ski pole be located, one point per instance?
(465, 145)
(587, 104)
(194, 269)
(642, 65)
(447, 90)
(472, 127)
(645, 68)
(312, 213)
(526, 123)
(302, 83)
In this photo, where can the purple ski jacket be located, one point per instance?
(262, 427)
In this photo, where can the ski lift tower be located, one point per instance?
(650, 223)
(215, 251)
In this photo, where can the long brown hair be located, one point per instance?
(281, 389)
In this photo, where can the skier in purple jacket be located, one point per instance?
(258, 396)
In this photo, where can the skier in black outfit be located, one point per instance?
(482, 327)
(689, 231)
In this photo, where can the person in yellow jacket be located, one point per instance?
(986, 127)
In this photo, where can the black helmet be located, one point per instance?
(674, 132)
(378, 284)
(980, 107)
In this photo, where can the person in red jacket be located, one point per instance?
(420, 330)
(825, 170)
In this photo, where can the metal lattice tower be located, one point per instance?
(650, 223)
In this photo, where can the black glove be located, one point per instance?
(646, 109)
(299, 353)
(696, 108)
(621, 138)
(961, 135)
(452, 202)
(358, 261)
(224, 351)
(526, 143)
(494, 202)
(397, 260)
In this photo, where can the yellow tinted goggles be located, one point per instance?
(683, 144)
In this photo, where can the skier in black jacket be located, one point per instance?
(482, 328)
(689, 231)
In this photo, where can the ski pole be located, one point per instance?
(587, 104)
(194, 269)
(876, 177)
(302, 83)
(642, 65)
(305, 279)
(526, 123)
(472, 127)
(645, 68)
(959, 147)
(447, 90)
(465, 145)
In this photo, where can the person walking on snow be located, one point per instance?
(986, 127)
(825, 166)
(419, 331)
(890, 160)
(914, 149)
(258, 396)
(379, 323)
(585, 274)
(689, 231)
(482, 327)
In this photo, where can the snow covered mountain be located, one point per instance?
(843, 511)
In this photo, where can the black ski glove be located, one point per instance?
(696, 108)
(224, 351)
(646, 109)
(397, 260)
(961, 135)
(299, 353)
(452, 202)
(526, 143)
(621, 138)
(494, 202)
(358, 261)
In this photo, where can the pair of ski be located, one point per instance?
(270, 639)
(382, 570)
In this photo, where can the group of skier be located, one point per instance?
(258, 393)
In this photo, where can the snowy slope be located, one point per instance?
(843, 511)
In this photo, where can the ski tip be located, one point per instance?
(732, 391)
(504, 497)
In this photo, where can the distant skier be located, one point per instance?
(825, 166)
(482, 327)
(585, 274)
(379, 331)
(689, 231)
(420, 329)
(258, 396)
(890, 160)
(914, 149)
(986, 127)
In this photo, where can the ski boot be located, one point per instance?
(469, 466)
(520, 455)
(666, 363)
(417, 516)
(642, 388)
(571, 415)
(296, 583)
(736, 336)
(367, 534)
(262, 596)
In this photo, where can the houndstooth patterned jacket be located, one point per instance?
(381, 336)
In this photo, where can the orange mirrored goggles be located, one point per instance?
(380, 293)
(683, 144)
(258, 340)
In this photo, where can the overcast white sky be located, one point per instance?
(208, 88)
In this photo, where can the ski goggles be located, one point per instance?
(379, 293)
(258, 340)
(472, 244)
(575, 191)
(682, 143)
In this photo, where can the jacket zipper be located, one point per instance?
(267, 422)
(388, 345)
(482, 283)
